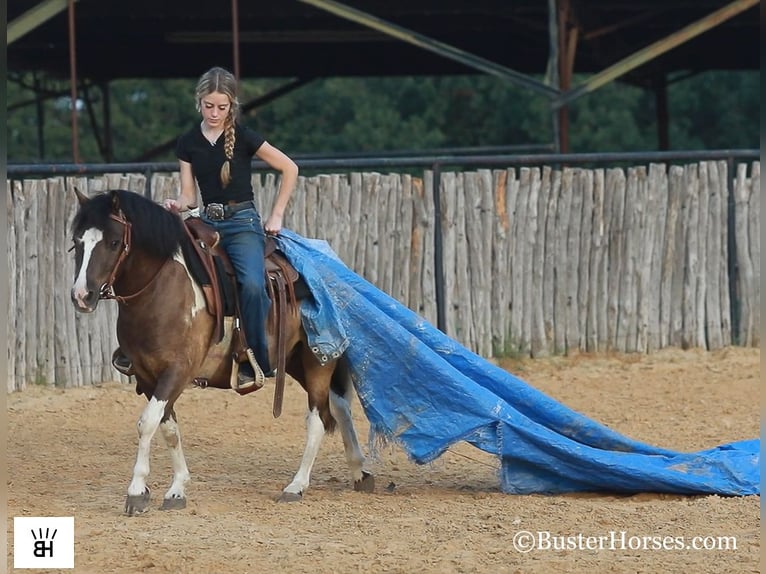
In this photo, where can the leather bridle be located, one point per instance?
(107, 289)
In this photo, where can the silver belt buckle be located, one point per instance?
(214, 211)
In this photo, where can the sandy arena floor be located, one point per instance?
(71, 453)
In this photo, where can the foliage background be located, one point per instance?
(714, 110)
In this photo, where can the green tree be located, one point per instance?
(711, 110)
(716, 110)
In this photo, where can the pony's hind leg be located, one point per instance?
(175, 497)
(341, 412)
(138, 493)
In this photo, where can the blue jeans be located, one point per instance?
(243, 239)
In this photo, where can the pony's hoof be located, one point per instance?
(290, 497)
(366, 483)
(173, 503)
(137, 504)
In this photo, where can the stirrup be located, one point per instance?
(243, 384)
(122, 363)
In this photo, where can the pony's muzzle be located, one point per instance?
(85, 300)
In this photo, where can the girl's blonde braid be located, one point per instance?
(228, 146)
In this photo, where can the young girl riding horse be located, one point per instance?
(217, 154)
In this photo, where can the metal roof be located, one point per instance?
(291, 38)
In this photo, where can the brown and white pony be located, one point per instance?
(128, 248)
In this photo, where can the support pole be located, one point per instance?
(73, 83)
(235, 36)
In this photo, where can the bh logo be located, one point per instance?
(44, 545)
(43, 542)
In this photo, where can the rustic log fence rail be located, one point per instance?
(535, 260)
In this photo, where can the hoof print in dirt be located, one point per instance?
(173, 503)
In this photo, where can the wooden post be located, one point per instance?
(550, 287)
(615, 186)
(521, 222)
(572, 264)
(539, 338)
(596, 333)
(585, 257)
(562, 293)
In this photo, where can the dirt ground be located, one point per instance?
(71, 453)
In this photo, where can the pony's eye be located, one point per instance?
(114, 244)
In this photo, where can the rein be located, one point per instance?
(107, 289)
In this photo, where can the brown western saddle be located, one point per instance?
(281, 278)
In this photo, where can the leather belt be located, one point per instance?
(220, 211)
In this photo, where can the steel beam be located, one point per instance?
(426, 43)
(654, 50)
(33, 17)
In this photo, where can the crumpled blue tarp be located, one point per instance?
(425, 391)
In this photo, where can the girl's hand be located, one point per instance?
(171, 205)
(273, 225)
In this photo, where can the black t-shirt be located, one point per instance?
(206, 160)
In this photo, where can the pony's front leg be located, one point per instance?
(138, 493)
(314, 435)
(175, 497)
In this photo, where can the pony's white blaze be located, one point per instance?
(199, 297)
(89, 240)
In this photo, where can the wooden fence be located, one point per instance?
(536, 261)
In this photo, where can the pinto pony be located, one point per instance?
(128, 248)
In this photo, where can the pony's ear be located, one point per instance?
(115, 201)
(81, 197)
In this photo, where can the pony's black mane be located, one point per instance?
(154, 229)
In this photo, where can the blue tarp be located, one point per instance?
(425, 391)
